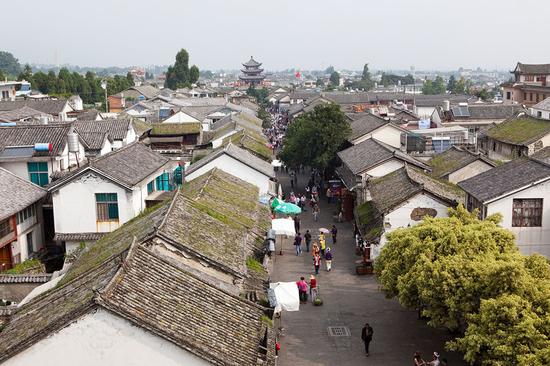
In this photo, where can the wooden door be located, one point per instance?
(5, 257)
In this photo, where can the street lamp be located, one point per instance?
(104, 87)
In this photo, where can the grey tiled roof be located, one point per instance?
(389, 191)
(544, 105)
(55, 134)
(366, 124)
(21, 113)
(117, 129)
(88, 115)
(452, 160)
(533, 68)
(370, 153)
(94, 140)
(53, 107)
(78, 237)
(513, 175)
(239, 154)
(200, 112)
(128, 165)
(25, 278)
(177, 305)
(16, 193)
(493, 111)
(147, 91)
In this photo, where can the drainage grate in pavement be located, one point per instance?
(338, 332)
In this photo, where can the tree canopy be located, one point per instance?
(67, 83)
(436, 86)
(468, 275)
(335, 78)
(391, 79)
(315, 137)
(180, 75)
(9, 65)
(366, 83)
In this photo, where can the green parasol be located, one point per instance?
(288, 209)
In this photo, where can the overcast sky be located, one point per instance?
(303, 34)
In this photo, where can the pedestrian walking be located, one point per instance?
(296, 223)
(316, 263)
(303, 203)
(292, 175)
(329, 195)
(315, 250)
(307, 238)
(334, 232)
(418, 361)
(312, 288)
(302, 289)
(435, 360)
(298, 243)
(328, 259)
(316, 211)
(322, 244)
(366, 336)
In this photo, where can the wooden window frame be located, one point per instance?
(527, 212)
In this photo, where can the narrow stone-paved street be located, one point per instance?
(349, 301)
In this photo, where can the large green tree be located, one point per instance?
(335, 79)
(315, 137)
(179, 75)
(366, 83)
(9, 64)
(467, 275)
(436, 86)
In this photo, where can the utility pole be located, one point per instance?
(104, 87)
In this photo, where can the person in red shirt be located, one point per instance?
(312, 288)
(317, 262)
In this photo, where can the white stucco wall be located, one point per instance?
(74, 205)
(529, 239)
(400, 217)
(107, 147)
(386, 134)
(236, 168)
(180, 117)
(424, 112)
(385, 168)
(102, 338)
(470, 170)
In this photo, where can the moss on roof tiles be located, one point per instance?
(520, 130)
(160, 129)
(441, 166)
(251, 141)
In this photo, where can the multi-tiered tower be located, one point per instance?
(252, 73)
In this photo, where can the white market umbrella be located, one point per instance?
(283, 227)
(276, 163)
(280, 192)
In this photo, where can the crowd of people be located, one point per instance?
(276, 132)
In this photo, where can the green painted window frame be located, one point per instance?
(38, 172)
(106, 207)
